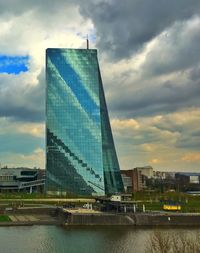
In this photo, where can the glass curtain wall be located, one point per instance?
(75, 109)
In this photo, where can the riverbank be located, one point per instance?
(28, 216)
(137, 219)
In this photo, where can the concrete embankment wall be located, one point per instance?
(134, 219)
(34, 216)
(167, 219)
(98, 219)
(59, 216)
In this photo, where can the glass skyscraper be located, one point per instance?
(80, 152)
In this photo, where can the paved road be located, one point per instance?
(48, 200)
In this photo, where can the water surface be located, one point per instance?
(52, 239)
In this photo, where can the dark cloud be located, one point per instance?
(195, 73)
(17, 7)
(125, 26)
(46, 13)
(173, 57)
(188, 142)
(137, 137)
(22, 102)
(177, 50)
(154, 99)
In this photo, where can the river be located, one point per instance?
(52, 239)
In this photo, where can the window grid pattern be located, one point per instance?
(74, 160)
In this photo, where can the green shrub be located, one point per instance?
(4, 218)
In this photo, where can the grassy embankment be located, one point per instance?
(21, 199)
(154, 201)
(23, 195)
(4, 218)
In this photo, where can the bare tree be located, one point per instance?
(159, 243)
(170, 242)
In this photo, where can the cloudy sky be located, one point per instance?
(149, 53)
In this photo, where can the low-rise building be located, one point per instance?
(163, 174)
(21, 179)
(127, 181)
(135, 179)
(187, 181)
(146, 171)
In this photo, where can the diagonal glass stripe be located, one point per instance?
(73, 81)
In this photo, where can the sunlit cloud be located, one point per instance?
(123, 124)
(35, 159)
(34, 129)
(154, 161)
(191, 157)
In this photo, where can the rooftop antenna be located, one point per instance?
(87, 40)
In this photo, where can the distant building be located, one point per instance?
(159, 174)
(188, 181)
(146, 171)
(21, 179)
(127, 181)
(135, 179)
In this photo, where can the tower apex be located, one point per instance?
(87, 40)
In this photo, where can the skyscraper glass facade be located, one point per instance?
(80, 152)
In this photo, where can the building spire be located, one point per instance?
(87, 40)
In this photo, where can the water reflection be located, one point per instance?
(51, 239)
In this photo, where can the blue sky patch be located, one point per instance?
(13, 64)
(20, 143)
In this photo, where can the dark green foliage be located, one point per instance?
(4, 218)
